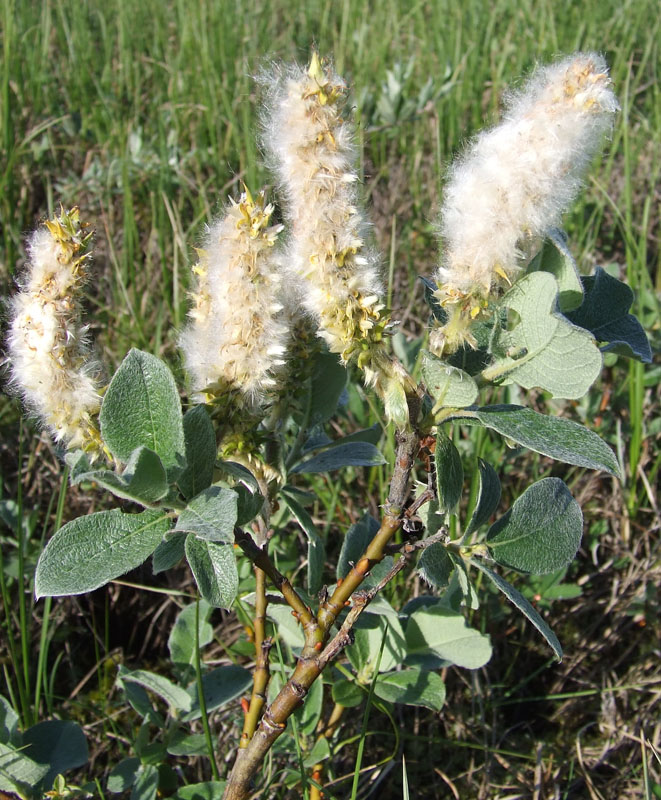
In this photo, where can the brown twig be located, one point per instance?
(314, 657)
(260, 558)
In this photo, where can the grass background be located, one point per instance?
(145, 114)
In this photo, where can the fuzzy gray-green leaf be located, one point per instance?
(556, 258)
(143, 480)
(214, 568)
(177, 698)
(210, 515)
(200, 443)
(442, 633)
(449, 386)
(488, 496)
(346, 454)
(90, 551)
(435, 566)
(517, 599)
(141, 407)
(556, 437)
(449, 472)
(542, 531)
(543, 349)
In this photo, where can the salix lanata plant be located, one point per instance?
(226, 475)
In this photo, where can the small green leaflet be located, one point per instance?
(316, 549)
(90, 551)
(556, 258)
(542, 531)
(517, 599)
(449, 386)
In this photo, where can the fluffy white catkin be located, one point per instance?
(515, 182)
(311, 145)
(48, 354)
(235, 343)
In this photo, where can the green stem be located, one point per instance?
(48, 601)
(261, 674)
(366, 714)
(200, 694)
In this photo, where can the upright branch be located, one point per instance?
(314, 658)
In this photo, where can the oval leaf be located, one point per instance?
(177, 698)
(488, 496)
(556, 258)
(182, 640)
(369, 633)
(412, 687)
(141, 407)
(449, 473)
(90, 551)
(347, 454)
(60, 744)
(435, 566)
(210, 515)
(543, 350)
(214, 568)
(220, 686)
(542, 531)
(449, 386)
(556, 437)
(200, 444)
(316, 549)
(144, 480)
(605, 313)
(440, 632)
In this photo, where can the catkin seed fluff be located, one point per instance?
(514, 183)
